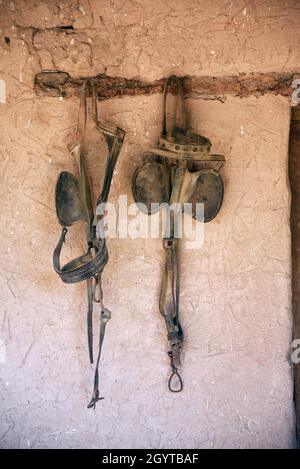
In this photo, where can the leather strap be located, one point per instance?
(171, 281)
(82, 115)
(90, 265)
(90, 295)
(114, 139)
(179, 96)
(177, 141)
(83, 267)
(171, 312)
(105, 316)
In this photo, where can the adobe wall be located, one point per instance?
(235, 290)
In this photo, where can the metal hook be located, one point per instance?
(174, 373)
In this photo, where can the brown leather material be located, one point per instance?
(151, 186)
(200, 155)
(185, 142)
(203, 187)
(182, 172)
(74, 204)
(178, 137)
(151, 189)
(70, 204)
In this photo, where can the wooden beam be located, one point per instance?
(58, 83)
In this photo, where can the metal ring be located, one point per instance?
(175, 373)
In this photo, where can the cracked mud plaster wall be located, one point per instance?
(235, 291)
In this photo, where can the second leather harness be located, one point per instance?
(171, 176)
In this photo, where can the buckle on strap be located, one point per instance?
(168, 243)
(169, 246)
(105, 315)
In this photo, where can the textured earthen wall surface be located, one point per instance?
(294, 174)
(235, 291)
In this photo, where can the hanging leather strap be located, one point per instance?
(82, 115)
(114, 138)
(105, 316)
(89, 266)
(171, 312)
(180, 98)
(90, 295)
(170, 282)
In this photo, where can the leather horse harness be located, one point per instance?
(74, 204)
(180, 171)
(172, 178)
